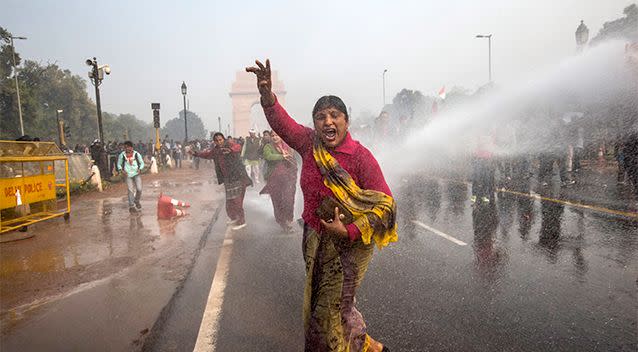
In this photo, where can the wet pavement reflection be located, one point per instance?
(489, 255)
(532, 257)
(101, 239)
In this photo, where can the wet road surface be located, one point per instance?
(523, 273)
(518, 274)
(100, 281)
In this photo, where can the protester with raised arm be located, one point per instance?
(348, 207)
(232, 174)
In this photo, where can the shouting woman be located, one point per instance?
(348, 207)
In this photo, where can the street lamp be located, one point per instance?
(489, 52)
(219, 120)
(15, 75)
(60, 129)
(384, 71)
(96, 75)
(582, 35)
(185, 126)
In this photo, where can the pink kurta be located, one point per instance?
(351, 155)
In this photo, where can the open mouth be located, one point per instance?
(329, 134)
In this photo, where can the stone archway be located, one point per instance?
(245, 95)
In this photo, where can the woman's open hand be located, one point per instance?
(264, 82)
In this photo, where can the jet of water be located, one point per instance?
(525, 118)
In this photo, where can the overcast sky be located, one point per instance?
(320, 47)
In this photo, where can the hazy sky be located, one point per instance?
(319, 47)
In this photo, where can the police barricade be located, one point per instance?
(28, 187)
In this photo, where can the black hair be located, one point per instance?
(128, 144)
(330, 101)
(218, 134)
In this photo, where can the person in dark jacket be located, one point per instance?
(252, 156)
(99, 155)
(232, 174)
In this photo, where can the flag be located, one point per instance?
(442, 93)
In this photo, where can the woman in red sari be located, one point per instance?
(281, 179)
(348, 208)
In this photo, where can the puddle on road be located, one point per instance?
(99, 233)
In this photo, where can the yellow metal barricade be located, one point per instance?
(28, 186)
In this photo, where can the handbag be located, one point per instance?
(326, 211)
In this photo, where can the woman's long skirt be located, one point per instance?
(335, 268)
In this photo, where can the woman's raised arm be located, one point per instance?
(294, 134)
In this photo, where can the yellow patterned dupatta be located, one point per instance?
(374, 212)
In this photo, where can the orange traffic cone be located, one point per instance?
(166, 207)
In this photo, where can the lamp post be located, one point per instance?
(15, 75)
(219, 120)
(60, 128)
(384, 71)
(96, 75)
(582, 36)
(185, 126)
(489, 53)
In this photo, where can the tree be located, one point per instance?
(126, 127)
(409, 103)
(6, 59)
(457, 95)
(47, 88)
(174, 128)
(624, 27)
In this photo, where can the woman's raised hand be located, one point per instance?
(264, 82)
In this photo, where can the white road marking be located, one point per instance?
(435, 231)
(207, 336)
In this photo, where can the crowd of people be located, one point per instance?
(348, 206)
(170, 154)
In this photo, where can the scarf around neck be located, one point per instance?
(374, 212)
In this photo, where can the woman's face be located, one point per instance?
(219, 140)
(275, 138)
(331, 126)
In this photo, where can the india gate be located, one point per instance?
(245, 95)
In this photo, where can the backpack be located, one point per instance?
(137, 158)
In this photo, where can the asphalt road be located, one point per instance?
(518, 274)
(99, 281)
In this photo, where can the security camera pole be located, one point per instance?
(96, 75)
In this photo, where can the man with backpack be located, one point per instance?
(131, 163)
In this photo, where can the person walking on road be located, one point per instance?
(232, 174)
(281, 179)
(177, 151)
(348, 207)
(251, 156)
(131, 163)
(483, 169)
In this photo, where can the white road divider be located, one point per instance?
(437, 232)
(207, 336)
